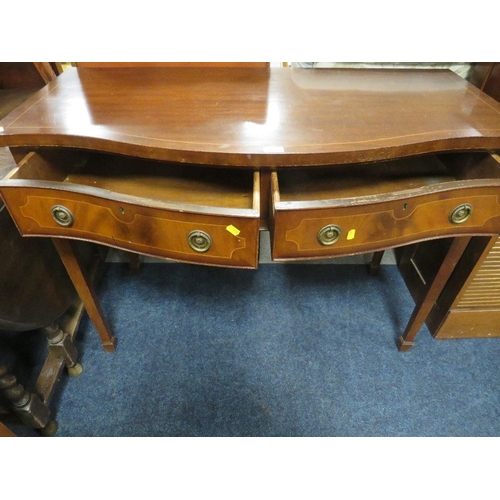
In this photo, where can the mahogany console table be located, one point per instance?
(190, 164)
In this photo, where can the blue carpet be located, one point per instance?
(288, 350)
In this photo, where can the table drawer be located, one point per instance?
(96, 203)
(352, 210)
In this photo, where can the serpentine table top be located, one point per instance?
(257, 117)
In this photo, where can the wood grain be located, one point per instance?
(405, 201)
(257, 117)
(139, 205)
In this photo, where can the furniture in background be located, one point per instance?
(18, 80)
(35, 294)
(189, 164)
(486, 76)
(28, 75)
(35, 290)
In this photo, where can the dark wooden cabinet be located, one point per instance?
(37, 298)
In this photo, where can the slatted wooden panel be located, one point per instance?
(484, 289)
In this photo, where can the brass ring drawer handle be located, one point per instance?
(62, 215)
(460, 214)
(199, 241)
(329, 235)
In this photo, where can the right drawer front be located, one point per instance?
(347, 228)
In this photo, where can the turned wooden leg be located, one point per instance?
(86, 292)
(28, 406)
(422, 309)
(61, 344)
(374, 265)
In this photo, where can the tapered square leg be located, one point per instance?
(85, 290)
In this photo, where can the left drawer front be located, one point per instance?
(355, 229)
(188, 237)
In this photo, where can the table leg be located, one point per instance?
(422, 309)
(85, 290)
(374, 265)
(134, 263)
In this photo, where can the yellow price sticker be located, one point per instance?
(351, 234)
(233, 230)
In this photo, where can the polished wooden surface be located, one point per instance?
(257, 117)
